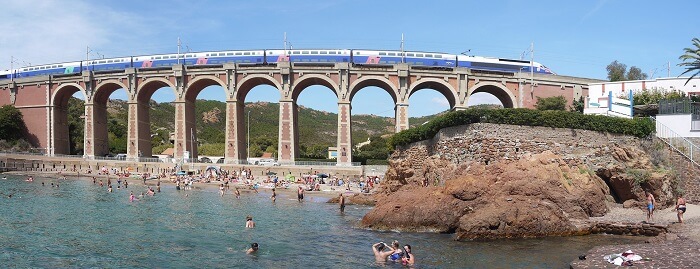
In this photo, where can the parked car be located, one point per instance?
(121, 156)
(205, 160)
(268, 163)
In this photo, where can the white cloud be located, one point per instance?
(42, 32)
(440, 101)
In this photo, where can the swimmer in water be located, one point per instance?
(132, 197)
(274, 196)
(253, 248)
(109, 189)
(408, 259)
(249, 223)
(238, 194)
(381, 252)
(397, 254)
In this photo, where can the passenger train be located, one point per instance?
(299, 56)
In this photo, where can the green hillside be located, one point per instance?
(317, 129)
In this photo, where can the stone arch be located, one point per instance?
(60, 137)
(377, 81)
(59, 95)
(196, 85)
(436, 84)
(105, 88)
(310, 80)
(146, 89)
(496, 89)
(251, 81)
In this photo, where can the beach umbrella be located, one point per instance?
(181, 173)
(322, 175)
(270, 173)
(289, 177)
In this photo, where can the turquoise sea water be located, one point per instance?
(80, 225)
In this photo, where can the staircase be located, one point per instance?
(685, 158)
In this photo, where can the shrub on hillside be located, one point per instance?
(639, 127)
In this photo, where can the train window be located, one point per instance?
(305, 52)
(382, 53)
(410, 54)
(158, 57)
(357, 53)
(429, 56)
(323, 52)
(331, 52)
(239, 53)
(229, 54)
(246, 53)
(314, 52)
(392, 54)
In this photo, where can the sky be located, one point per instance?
(573, 38)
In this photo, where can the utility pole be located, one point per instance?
(178, 50)
(87, 58)
(669, 69)
(12, 68)
(248, 134)
(285, 43)
(403, 55)
(532, 66)
(191, 143)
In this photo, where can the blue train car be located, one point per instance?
(308, 56)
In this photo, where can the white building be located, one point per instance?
(599, 99)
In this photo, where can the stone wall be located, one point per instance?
(688, 174)
(486, 143)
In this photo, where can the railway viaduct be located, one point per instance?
(43, 100)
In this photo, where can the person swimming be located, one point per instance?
(249, 223)
(397, 254)
(253, 248)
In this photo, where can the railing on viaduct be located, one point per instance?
(44, 100)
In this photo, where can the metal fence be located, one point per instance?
(191, 160)
(678, 142)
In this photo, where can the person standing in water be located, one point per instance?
(300, 194)
(408, 258)
(341, 202)
(238, 194)
(249, 223)
(274, 195)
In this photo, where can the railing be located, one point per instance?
(683, 106)
(191, 160)
(681, 144)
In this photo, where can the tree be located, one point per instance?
(691, 59)
(551, 103)
(616, 71)
(578, 105)
(11, 123)
(636, 74)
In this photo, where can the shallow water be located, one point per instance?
(80, 225)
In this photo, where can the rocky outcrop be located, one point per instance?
(534, 196)
(501, 181)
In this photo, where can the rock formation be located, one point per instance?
(483, 182)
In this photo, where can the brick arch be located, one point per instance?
(60, 95)
(377, 81)
(59, 137)
(436, 84)
(498, 90)
(146, 89)
(196, 85)
(310, 80)
(251, 81)
(105, 88)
